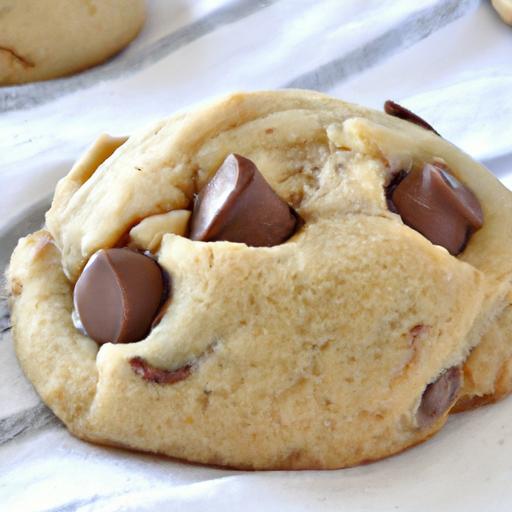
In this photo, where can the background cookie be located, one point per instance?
(319, 352)
(504, 9)
(42, 39)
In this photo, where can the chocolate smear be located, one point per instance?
(152, 374)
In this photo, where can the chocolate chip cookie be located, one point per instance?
(274, 280)
(45, 39)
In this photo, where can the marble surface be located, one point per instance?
(448, 60)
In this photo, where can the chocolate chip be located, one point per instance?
(152, 374)
(118, 295)
(433, 202)
(396, 110)
(238, 205)
(390, 189)
(439, 396)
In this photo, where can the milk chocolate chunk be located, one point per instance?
(396, 110)
(118, 295)
(438, 397)
(433, 202)
(238, 205)
(158, 375)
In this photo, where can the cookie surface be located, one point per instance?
(488, 369)
(319, 352)
(46, 39)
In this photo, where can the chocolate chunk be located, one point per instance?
(439, 396)
(152, 374)
(396, 110)
(118, 295)
(433, 202)
(238, 205)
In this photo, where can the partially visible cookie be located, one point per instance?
(504, 9)
(46, 39)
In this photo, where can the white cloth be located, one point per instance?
(448, 60)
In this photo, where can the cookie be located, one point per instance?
(504, 9)
(305, 314)
(51, 38)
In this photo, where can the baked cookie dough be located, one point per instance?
(488, 369)
(43, 39)
(306, 320)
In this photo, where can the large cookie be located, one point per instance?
(43, 39)
(338, 343)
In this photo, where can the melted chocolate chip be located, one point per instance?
(397, 178)
(238, 205)
(436, 204)
(439, 396)
(396, 110)
(152, 374)
(118, 295)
